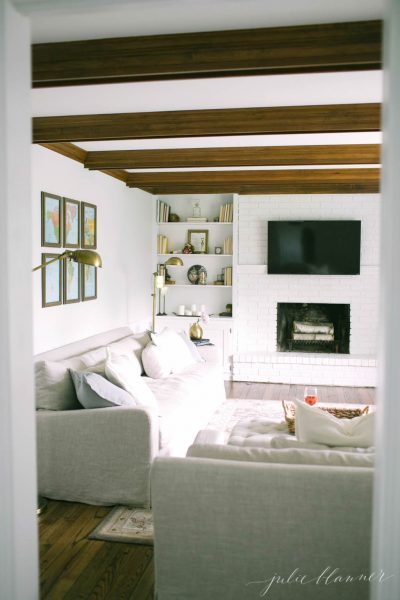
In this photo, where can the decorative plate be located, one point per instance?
(193, 273)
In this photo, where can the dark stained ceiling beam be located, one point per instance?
(79, 154)
(339, 154)
(298, 49)
(289, 181)
(325, 118)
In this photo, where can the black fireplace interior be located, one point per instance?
(313, 328)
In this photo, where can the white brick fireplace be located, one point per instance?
(258, 294)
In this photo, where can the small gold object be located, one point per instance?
(195, 332)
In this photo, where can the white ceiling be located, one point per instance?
(62, 20)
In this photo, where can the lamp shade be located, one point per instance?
(86, 257)
(174, 261)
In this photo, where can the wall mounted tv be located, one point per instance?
(314, 247)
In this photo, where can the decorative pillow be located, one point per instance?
(94, 391)
(192, 348)
(319, 427)
(157, 363)
(122, 371)
(132, 345)
(53, 385)
(171, 344)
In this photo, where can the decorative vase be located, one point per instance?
(195, 332)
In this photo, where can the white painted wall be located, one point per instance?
(18, 523)
(258, 293)
(124, 226)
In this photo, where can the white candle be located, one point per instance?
(203, 308)
(181, 310)
(188, 313)
(193, 308)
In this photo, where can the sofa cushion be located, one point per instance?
(172, 345)
(53, 384)
(122, 371)
(317, 426)
(157, 363)
(186, 402)
(191, 347)
(330, 458)
(94, 391)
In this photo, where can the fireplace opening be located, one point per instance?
(313, 328)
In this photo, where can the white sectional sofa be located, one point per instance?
(103, 456)
(236, 527)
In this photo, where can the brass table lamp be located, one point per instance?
(159, 282)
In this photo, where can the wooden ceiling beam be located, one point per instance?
(325, 118)
(284, 181)
(339, 154)
(79, 154)
(296, 49)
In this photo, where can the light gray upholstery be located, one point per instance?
(221, 525)
(99, 456)
(103, 456)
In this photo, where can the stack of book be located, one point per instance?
(197, 219)
(163, 210)
(228, 245)
(162, 244)
(228, 276)
(226, 213)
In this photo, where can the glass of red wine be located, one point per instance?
(310, 395)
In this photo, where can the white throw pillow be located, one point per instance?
(122, 371)
(156, 362)
(319, 427)
(94, 391)
(191, 347)
(172, 344)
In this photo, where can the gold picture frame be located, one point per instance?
(51, 220)
(88, 226)
(198, 238)
(89, 282)
(71, 282)
(51, 281)
(71, 223)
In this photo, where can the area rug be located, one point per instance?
(126, 524)
(135, 525)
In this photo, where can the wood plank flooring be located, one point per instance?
(73, 567)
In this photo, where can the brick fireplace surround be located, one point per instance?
(258, 294)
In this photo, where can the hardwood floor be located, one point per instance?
(282, 391)
(73, 567)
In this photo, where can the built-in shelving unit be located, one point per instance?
(213, 297)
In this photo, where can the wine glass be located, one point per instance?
(310, 395)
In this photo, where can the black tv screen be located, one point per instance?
(314, 247)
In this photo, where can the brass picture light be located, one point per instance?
(159, 282)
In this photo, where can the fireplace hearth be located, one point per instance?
(305, 327)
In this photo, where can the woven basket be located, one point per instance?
(341, 413)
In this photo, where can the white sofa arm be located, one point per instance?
(99, 456)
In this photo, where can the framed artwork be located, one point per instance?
(72, 282)
(51, 220)
(89, 282)
(71, 223)
(198, 238)
(51, 281)
(89, 225)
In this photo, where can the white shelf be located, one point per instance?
(186, 223)
(194, 286)
(218, 318)
(194, 255)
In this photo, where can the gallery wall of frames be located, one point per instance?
(67, 223)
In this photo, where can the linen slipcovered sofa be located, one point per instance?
(103, 455)
(246, 522)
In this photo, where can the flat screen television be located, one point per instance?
(314, 247)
